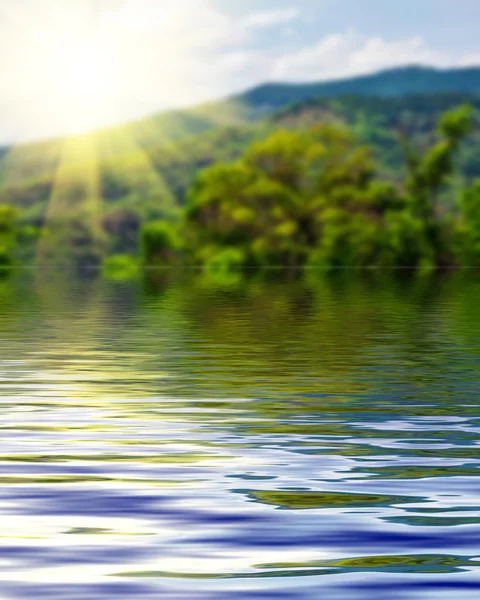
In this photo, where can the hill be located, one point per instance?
(40, 160)
(389, 83)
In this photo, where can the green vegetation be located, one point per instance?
(313, 198)
(358, 172)
(390, 83)
(120, 267)
(300, 197)
(160, 244)
(8, 236)
(174, 145)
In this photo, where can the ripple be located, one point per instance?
(133, 413)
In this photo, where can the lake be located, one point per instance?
(189, 438)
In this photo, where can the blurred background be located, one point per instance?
(276, 134)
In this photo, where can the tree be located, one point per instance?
(160, 243)
(468, 227)
(270, 203)
(8, 234)
(428, 173)
(313, 197)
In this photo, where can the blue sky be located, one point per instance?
(451, 25)
(73, 65)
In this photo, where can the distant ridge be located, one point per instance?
(263, 100)
(388, 83)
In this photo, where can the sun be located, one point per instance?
(80, 73)
(81, 69)
(75, 66)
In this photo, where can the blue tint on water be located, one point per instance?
(180, 438)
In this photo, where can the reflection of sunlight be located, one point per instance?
(77, 575)
(234, 561)
(59, 531)
(94, 529)
(217, 564)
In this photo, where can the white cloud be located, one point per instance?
(469, 60)
(269, 18)
(343, 55)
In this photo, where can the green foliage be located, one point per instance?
(8, 235)
(160, 242)
(145, 169)
(8, 218)
(148, 166)
(427, 173)
(222, 268)
(457, 124)
(120, 267)
(226, 260)
(271, 202)
(313, 198)
(6, 261)
(467, 243)
(318, 182)
(290, 192)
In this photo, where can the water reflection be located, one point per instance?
(183, 437)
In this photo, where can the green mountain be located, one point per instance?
(390, 83)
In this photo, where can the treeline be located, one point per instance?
(315, 199)
(17, 241)
(148, 178)
(300, 197)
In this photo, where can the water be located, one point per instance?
(179, 439)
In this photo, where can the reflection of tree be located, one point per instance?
(293, 349)
(328, 347)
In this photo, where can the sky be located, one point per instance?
(71, 65)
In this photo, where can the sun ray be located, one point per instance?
(82, 65)
(72, 219)
(26, 163)
(126, 157)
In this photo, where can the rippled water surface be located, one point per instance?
(178, 439)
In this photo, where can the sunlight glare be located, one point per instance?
(88, 65)
(81, 74)
(82, 69)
